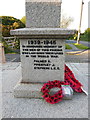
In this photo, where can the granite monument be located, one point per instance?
(42, 46)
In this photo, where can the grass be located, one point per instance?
(68, 46)
(80, 46)
(10, 51)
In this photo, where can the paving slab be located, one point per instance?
(38, 108)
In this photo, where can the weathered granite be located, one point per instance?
(31, 55)
(42, 58)
(30, 90)
(42, 47)
(43, 31)
(43, 13)
(42, 62)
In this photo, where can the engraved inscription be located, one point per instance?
(46, 49)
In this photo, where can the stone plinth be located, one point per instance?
(43, 13)
(42, 58)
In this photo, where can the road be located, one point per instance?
(81, 42)
(82, 57)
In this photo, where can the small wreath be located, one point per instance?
(57, 97)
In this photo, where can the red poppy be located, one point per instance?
(57, 97)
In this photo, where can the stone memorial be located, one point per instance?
(42, 46)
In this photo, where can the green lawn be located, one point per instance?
(80, 46)
(67, 46)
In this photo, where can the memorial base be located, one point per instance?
(42, 52)
(32, 90)
(28, 90)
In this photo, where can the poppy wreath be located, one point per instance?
(57, 97)
(71, 80)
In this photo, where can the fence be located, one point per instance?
(11, 41)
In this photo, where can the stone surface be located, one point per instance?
(43, 13)
(37, 108)
(54, 90)
(30, 90)
(43, 32)
(42, 56)
(41, 45)
(42, 60)
(23, 90)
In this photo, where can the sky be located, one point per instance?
(89, 15)
(16, 8)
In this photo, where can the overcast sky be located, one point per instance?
(16, 8)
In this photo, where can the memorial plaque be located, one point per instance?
(43, 58)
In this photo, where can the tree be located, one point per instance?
(9, 23)
(15, 25)
(66, 21)
(86, 35)
(23, 19)
(87, 32)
